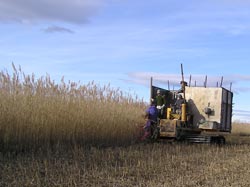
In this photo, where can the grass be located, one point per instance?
(68, 134)
(136, 165)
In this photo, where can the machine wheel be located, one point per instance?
(219, 140)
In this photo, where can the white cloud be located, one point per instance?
(241, 89)
(28, 11)
(241, 77)
(241, 114)
(198, 80)
(54, 28)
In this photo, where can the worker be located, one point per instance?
(160, 103)
(178, 104)
(151, 116)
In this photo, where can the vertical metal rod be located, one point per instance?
(221, 81)
(230, 86)
(183, 83)
(151, 89)
(168, 85)
(205, 83)
(189, 84)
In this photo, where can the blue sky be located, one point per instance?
(125, 42)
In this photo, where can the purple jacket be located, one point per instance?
(152, 113)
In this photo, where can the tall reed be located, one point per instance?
(38, 112)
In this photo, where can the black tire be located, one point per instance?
(221, 140)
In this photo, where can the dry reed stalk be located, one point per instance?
(241, 128)
(39, 112)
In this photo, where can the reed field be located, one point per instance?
(37, 112)
(68, 134)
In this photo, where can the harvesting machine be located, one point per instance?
(205, 117)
